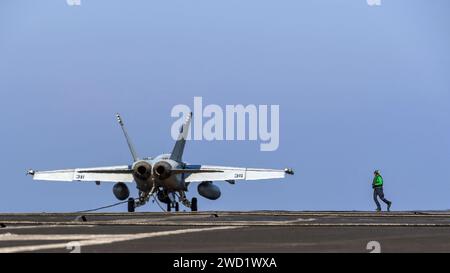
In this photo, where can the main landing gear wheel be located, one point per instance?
(194, 204)
(131, 205)
(176, 206)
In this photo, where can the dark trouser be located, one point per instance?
(378, 191)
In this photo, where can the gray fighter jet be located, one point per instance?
(165, 176)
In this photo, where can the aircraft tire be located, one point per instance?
(131, 207)
(194, 204)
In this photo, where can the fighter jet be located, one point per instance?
(166, 176)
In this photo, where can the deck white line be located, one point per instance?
(55, 237)
(110, 240)
(42, 226)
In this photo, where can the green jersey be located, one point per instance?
(377, 181)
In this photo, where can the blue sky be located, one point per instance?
(359, 88)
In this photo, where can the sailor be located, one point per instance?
(377, 186)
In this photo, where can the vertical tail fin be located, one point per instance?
(177, 153)
(130, 144)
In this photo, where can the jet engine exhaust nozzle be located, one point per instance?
(142, 170)
(162, 170)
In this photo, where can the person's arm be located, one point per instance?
(380, 180)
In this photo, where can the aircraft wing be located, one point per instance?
(103, 174)
(231, 174)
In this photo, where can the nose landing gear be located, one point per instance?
(174, 205)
